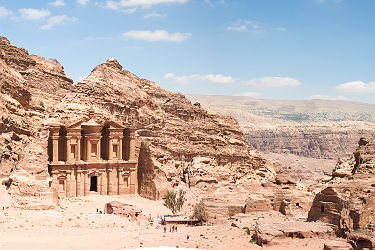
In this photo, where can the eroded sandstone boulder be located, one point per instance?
(122, 209)
(337, 245)
(267, 233)
(22, 183)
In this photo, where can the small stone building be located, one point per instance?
(87, 157)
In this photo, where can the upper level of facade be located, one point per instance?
(87, 141)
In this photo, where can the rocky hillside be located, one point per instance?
(348, 200)
(315, 128)
(177, 139)
(30, 88)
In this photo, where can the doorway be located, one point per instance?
(94, 183)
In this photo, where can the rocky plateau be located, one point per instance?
(313, 129)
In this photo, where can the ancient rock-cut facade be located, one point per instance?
(87, 157)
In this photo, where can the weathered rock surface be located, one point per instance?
(348, 200)
(122, 209)
(314, 128)
(22, 183)
(30, 88)
(360, 241)
(228, 200)
(174, 134)
(267, 232)
(337, 245)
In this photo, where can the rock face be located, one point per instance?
(337, 245)
(30, 88)
(325, 140)
(173, 133)
(122, 209)
(228, 200)
(348, 201)
(266, 233)
(314, 128)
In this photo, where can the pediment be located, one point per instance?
(77, 124)
(113, 124)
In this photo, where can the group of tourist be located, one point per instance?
(171, 229)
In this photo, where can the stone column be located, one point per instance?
(87, 184)
(67, 185)
(55, 148)
(88, 150)
(110, 149)
(99, 184)
(104, 183)
(68, 149)
(120, 182)
(133, 182)
(113, 182)
(73, 190)
(98, 151)
(118, 177)
(132, 147)
(78, 187)
(78, 149)
(110, 170)
(120, 148)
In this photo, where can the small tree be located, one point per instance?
(173, 202)
(200, 212)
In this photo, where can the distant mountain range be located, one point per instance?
(311, 128)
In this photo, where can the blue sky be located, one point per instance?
(272, 49)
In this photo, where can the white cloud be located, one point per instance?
(34, 14)
(219, 78)
(210, 77)
(332, 1)
(112, 5)
(357, 87)
(237, 28)
(4, 12)
(156, 35)
(57, 3)
(83, 2)
(212, 2)
(273, 82)
(116, 6)
(131, 5)
(329, 98)
(55, 20)
(147, 3)
(154, 14)
(249, 94)
(243, 25)
(282, 29)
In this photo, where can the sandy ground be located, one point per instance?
(77, 225)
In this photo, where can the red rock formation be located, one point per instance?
(122, 209)
(36, 92)
(348, 201)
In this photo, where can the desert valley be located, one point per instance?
(116, 162)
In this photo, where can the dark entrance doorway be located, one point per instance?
(94, 183)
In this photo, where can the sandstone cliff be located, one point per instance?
(172, 131)
(314, 128)
(348, 200)
(30, 86)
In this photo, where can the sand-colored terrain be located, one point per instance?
(77, 225)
